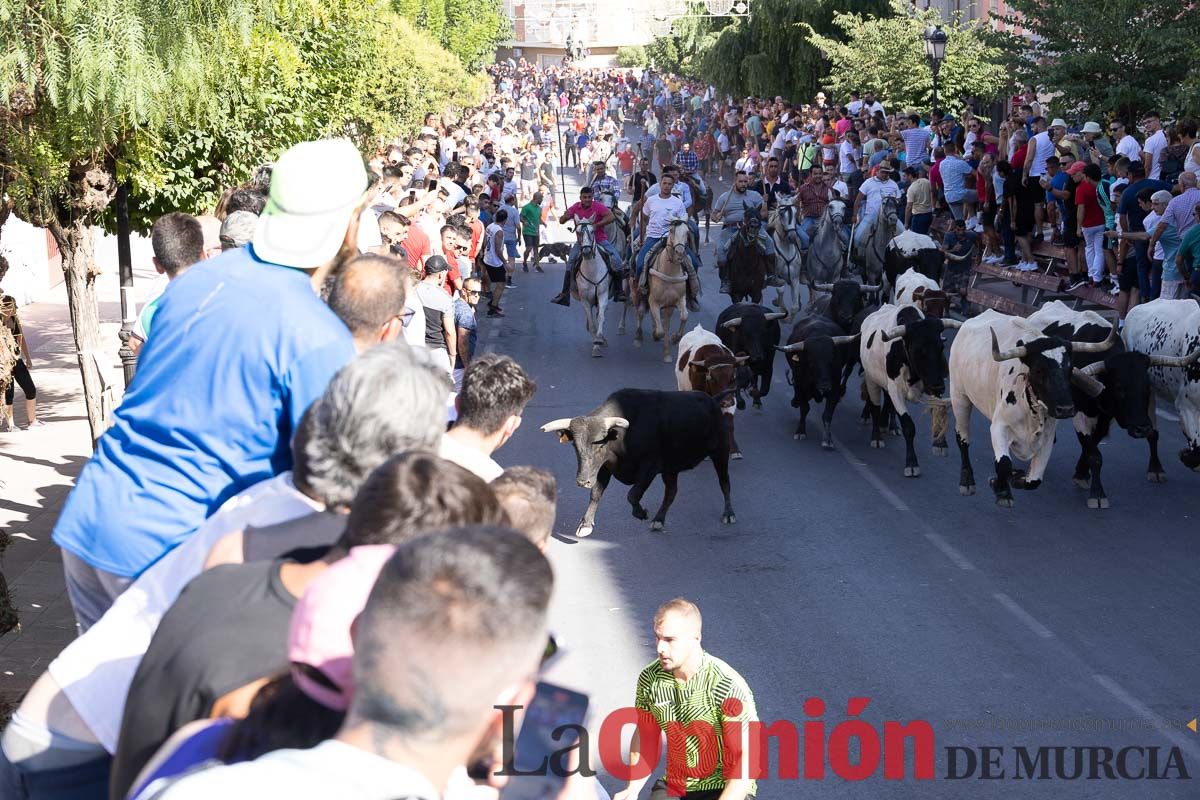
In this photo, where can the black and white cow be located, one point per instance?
(1128, 396)
(751, 330)
(817, 352)
(916, 251)
(903, 356)
(1171, 329)
(637, 434)
(1020, 379)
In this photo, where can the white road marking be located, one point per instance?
(870, 477)
(1038, 628)
(1163, 726)
(958, 558)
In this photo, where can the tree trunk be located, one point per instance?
(77, 248)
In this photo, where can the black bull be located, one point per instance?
(751, 330)
(818, 352)
(638, 434)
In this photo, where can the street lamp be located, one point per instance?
(935, 51)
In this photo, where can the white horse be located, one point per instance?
(788, 264)
(666, 288)
(591, 283)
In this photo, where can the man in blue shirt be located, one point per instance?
(955, 171)
(242, 345)
(1132, 217)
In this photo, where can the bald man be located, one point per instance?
(685, 685)
(368, 295)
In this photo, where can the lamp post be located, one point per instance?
(125, 266)
(935, 51)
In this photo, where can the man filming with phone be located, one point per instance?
(687, 685)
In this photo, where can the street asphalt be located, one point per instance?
(1048, 624)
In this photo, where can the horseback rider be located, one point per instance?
(870, 200)
(657, 211)
(731, 209)
(770, 186)
(598, 214)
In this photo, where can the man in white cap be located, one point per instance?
(241, 348)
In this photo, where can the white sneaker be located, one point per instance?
(1115, 290)
(994, 260)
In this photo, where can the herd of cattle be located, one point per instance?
(1022, 374)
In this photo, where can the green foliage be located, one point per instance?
(663, 54)
(888, 55)
(471, 29)
(769, 55)
(344, 68)
(632, 56)
(1110, 57)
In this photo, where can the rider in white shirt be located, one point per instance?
(870, 200)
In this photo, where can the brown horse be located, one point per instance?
(747, 265)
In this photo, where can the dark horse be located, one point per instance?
(702, 201)
(747, 264)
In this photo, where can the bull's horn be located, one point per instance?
(1094, 370)
(732, 323)
(1086, 382)
(892, 333)
(1005, 355)
(1096, 347)
(741, 359)
(699, 364)
(872, 287)
(557, 425)
(616, 422)
(951, 323)
(791, 348)
(774, 315)
(1175, 361)
(846, 339)
(823, 287)
(940, 402)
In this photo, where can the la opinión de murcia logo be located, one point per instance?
(816, 750)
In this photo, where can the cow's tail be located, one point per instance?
(939, 420)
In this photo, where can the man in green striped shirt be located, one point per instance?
(691, 694)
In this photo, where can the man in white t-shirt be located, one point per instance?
(869, 200)
(1126, 145)
(1156, 143)
(1041, 147)
(658, 210)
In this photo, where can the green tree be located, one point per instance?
(769, 54)
(474, 29)
(1118, 57)
(632, 56)
(471, 29)
(663, 54)
(888, 55)
(91, 97)
(77, 81)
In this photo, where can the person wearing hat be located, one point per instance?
(869, 200)
(440, 330)
(250, 329)
(1097, 148)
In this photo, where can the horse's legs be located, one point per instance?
(656, 315)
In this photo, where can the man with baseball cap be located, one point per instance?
(241, 348)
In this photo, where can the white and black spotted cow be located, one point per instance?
(914, 251)
(1021, 380)
(1171, 329)
(1128, 397)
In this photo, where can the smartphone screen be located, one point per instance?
(551, 708)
